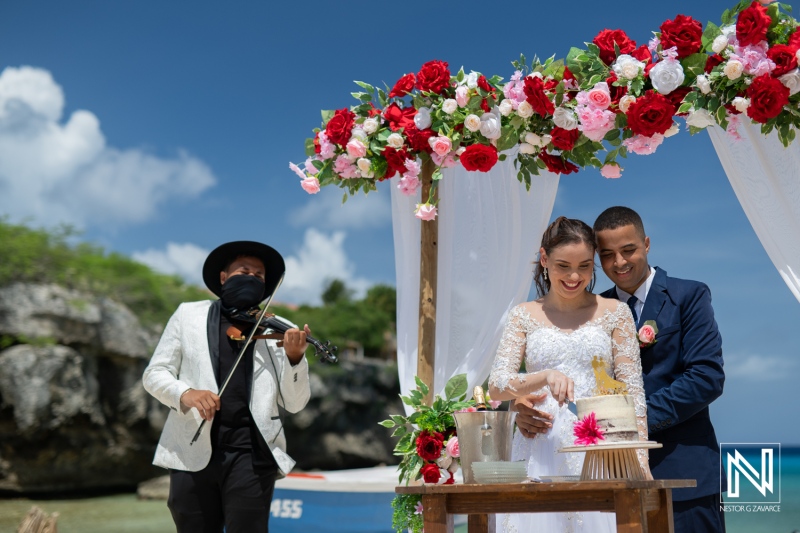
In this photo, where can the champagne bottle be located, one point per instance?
(480, 399)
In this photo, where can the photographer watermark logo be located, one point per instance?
(750, 476)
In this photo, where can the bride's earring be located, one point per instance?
(545, 272)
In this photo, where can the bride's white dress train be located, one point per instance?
(611, 338)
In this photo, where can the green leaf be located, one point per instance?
(422, 387)
(456, 386)
(573, 64)
(366, 86)
(327, 114)
(612, 135)
(310, 147)
(508, 138)
(400, 431)
(387, 424)
(693, 66)
(711, 32)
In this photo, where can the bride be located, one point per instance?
(558, 335)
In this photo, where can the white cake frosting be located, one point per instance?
(615, 416)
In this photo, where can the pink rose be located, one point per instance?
(461, 96)
(612, 170)
(310, 185)
(600, 96)
(356, 149)
(408, 184)
(441, 145)
(444, 161)
(425, 211)
(641, 145)
(452, 447)
(647, 334)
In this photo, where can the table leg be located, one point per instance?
(481, 523)
(434, 514)
(629, 508)
(660, 520)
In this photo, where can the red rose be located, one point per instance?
(712, 62)
(483, 83)
(395, 161)
(429, 445)
(418, 139)
(752, 25)
(535, 95)
(767, 98)
(434, 77)
(617, 92)
(605, 41)
(430, 473)
(480, 157)
(340, 126)
(784, 58)
(564, 139)
(373, 111)
(556, 164)
(794, 39)
(403, 86)
(398, 117)
(650, 114)
(676, 96)
(450, 480)
(685, 33)
(317, 147)
(643, 54)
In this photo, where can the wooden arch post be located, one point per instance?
(428, 270)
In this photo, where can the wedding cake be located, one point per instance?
(614, 414)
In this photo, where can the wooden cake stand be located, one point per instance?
(615, 460)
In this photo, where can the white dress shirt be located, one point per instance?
(641, 293)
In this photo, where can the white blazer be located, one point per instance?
(182, 361)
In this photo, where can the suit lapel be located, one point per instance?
(656, 297)
(212, 330)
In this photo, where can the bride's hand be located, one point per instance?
(561, 387)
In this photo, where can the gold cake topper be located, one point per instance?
(606, 385)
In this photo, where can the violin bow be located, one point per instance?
(241, 353)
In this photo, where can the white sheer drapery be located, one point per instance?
(766, 179)
(490, 229)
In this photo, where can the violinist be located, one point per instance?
(225, 479)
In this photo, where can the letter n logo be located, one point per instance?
(748, 467)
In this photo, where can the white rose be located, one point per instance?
(533, 139)
(472, 80)
(700, 118)
(565, 118)
(627, 67)
(363, 164)
(741, 104)
(525, 110)
(529, 149)
(703, 84)
(460, 150)
(395, 140)
(370, 125)
(358, 133)
(472, 123)
(490, 126)
(672, 130)
(733, 69)
(667, 76)
(625, 102)
(506, 107)
(728, 31)
(792, 81)
(422, 120)
(449, 106)
(719, 44)
(536, 75)
(546, 139)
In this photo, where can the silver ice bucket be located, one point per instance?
(483, 436)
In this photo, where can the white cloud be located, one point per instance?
(325, 210)
(759, 367)
(320, 259)
(186, 260)
(56, 171)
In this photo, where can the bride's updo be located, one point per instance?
(562, 231)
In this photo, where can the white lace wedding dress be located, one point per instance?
(612, 338)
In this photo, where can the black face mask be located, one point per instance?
(242, 292)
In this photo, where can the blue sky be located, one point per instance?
(166, 128)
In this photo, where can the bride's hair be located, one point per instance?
(562, 231)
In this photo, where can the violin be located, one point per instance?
(274, 327)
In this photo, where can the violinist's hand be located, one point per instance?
(205, 401)
(530, 420)
(294, 343)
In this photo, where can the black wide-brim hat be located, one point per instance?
(222, 256)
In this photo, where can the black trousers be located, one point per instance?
(227, 493)
(701, 515)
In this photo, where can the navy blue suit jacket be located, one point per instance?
(682, 376)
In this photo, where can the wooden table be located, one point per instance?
(640, 506)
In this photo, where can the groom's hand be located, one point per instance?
(530, 420)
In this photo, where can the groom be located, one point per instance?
(682, 369)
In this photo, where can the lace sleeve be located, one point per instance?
(628, 369)
(505, 373)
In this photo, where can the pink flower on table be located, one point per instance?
(641, 145)
(587, 432)
(426, 211)
(356, 149)
(611, 170)
(310, 185)
(444, 161)
(452, 447)
(599, 96)
(408, 184)
(310, 168)
(441, 145)
(297, 171)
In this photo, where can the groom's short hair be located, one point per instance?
(618, 216)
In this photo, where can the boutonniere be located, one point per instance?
(647, 334)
